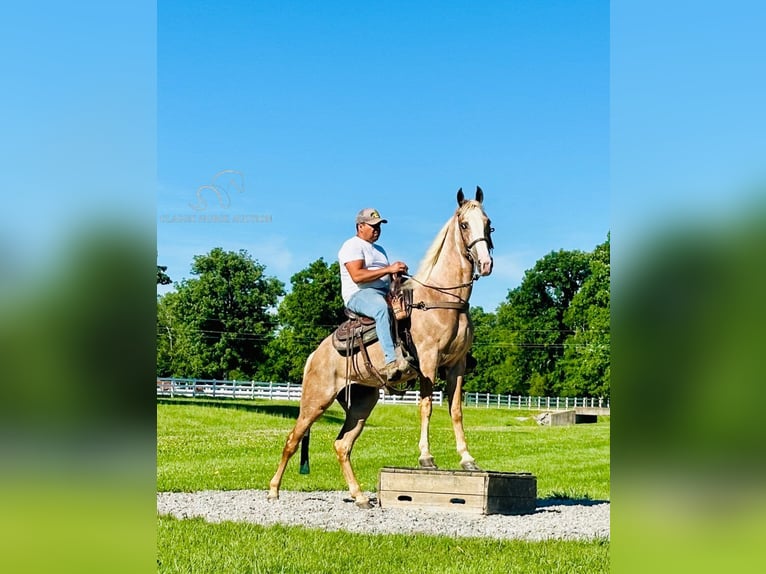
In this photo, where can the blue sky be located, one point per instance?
(298, 114)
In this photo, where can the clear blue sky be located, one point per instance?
(322, 109)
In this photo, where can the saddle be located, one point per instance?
(351, 338)
(359, 330)
(355, 331)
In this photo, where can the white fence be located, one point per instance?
(521, 402)
(229, 389)
(261, 390)
(173, 387)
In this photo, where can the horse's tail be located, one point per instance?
(305, 452)
(307, 436)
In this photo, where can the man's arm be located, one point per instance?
(360, 274)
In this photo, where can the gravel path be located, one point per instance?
(553, 519)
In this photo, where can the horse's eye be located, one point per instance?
(464, 225)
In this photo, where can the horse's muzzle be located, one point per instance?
(485, 267)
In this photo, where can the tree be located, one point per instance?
(534, 312)
(219, 323)
(162, 277)
(309, 313)
(586, 364)
(491, 344)
(177, 339)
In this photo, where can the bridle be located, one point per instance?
(461, 304)
(468, 248)
(487, 237)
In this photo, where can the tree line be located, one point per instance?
(550, 336)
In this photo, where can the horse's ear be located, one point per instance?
(460, 196)
(479, 194)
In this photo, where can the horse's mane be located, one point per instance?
(432, 255)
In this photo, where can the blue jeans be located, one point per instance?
(372, 303)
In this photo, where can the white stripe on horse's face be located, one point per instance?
(474, 226)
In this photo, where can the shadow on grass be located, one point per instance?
(557, 500)
(277, 410)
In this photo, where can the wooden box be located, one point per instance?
(472, 492)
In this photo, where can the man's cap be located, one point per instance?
(370, 216)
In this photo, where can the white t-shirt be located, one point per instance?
(374, 257)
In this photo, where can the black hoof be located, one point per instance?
(470, 465)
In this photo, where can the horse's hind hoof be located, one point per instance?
(364, 504)
(470, 465)
(427, 463)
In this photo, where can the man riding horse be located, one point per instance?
(365, 276)
(440, 336)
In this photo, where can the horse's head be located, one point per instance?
(476, 231)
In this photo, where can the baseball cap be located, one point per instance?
(370, 216)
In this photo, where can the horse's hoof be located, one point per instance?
(364, 504)
(271, 497)
(427, 463)
(470, 465)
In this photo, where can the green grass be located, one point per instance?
(194, 546)
(228, 445)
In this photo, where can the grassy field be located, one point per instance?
(193, 546)
(225, 444)
(228, 445)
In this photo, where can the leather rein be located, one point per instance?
(461, 305)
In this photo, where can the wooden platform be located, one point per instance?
(577, 416)
(471, 492)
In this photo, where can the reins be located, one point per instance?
(443, 289)
(462, 305)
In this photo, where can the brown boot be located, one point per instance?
(394, 370)
(390, 370)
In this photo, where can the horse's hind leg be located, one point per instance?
(311, 409)
(358, 407)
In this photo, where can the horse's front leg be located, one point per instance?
(455, 400)
(426, 459)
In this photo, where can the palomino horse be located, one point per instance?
(441, 334)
